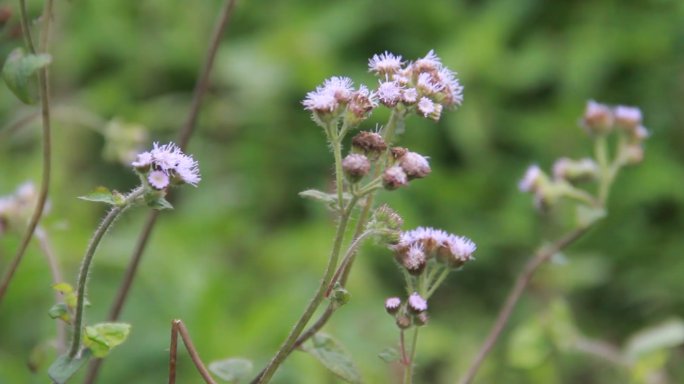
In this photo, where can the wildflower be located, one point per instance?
(430, 63)
(325, 100)
(452, 91)
(415, 165)
(320, 102)
(426, 106)
(426, 85)
(598, 118)
(385, 63)
(393, 178)
(158, 180)
(416, 304)
(339, 87)
(409, 96)
(170, 160)
(392, 305)
(628, 118)
(415, 259)
(389, 93)
(361, 104)
(532, 179)
(355, 167)
(398, 153)
(370, 144)
(422, 319)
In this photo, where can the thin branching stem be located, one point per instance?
(352, 249)
(408, 371)
(56, 272)
(173, 351)
(193, 353)
(437, 282)
(520, 284)
(43, 90)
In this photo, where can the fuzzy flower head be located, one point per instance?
(576, 170)
(389, 93)
(598, 118)
(532, 180)
(415, 165)
(415, 259)
(628, 118)
(392, 305)
(158, 180)
(417, 304)
(431, 63)
(447, 248)
(170, 160)
(384, 64)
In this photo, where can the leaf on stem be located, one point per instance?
(100, 194)
(70, 296)
(389, 355)
(60, 311)
(19, 73)
(587, 216)
(64, 367)
(101, 338)
(333, 356)
(329, 199)
(232, 370)
(667, 335)
(160, 204)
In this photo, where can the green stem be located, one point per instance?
(85, 268)
(370, 187)
(25, 26)
(437, 283)
(318, 297)
(345, 260)
(601, 153)
(408, 372)
(582, 196)
(421, 285)
(409, 283)
(337, 151)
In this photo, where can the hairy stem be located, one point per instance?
(183, 139)
(47, 142)
(347, 257)
(337, 152)
(437, 283)
(601, 153)
(318, 297)
(402, 344)
(56, 272)
(408, 371)
(520, 284)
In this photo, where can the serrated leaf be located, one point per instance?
(232, 370)
(20, 69)
(667, 335)
(528, 346)
(587, 216)
(333, 356)
(64, 367)
(101, 338)
(100, 194)
(160, 204)
(389, 355)
(60, 311)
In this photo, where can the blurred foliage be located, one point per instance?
(241, 255)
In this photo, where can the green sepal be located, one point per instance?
(60, 311)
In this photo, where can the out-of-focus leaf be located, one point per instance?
(101, 338)
(19, 70)
(37, 357)
(100, 194)
(160, 204)
(333, 356)
(561, 325)
(232, 370)
(63, 287)
(389, 355)
(64, 367)
(529, 345)
(587, 216)
(667, 335)
(648, 365)
(60, 311)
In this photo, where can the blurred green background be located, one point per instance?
(241, 255)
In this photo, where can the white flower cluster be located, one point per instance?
(338, 92)
(426, 84)
(167, 163)
(417, 246)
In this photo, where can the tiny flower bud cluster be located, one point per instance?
(425, 86)
(419, 246)
(336, 95)
(387, 225)
(406, 166)
(167, 165)
(408, 314)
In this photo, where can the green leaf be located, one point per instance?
(60, 311)
(232, 370)
(101, 338)
(667, 335)
(528, 346)
(330, 199)
(160, 204)
(389, 355)
(63, 287)
(64, 367)
(19, 70)
(100, 194)
(333, 356)
(339, 296)
(587, 216)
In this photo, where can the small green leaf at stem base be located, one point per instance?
(60, 311)
(101, 338)
(19, 73)
(100, 194)
(333, 356)
(232, 370)
(64, 367)
(160, 204)
(389, 355)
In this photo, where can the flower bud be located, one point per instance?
(421, 319)
(403, 322)
(392, 305)
(415, 165)
(370, 144)
(416, 304)
(385, 215)
(355, 167)
(415, 260)
(576, 171)
(598, 118)
(627, 118)
(393, 178)
(360, 105)
(634, 154)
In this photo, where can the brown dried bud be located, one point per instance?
(393, 178)
(421, 319)
(369, 143)
(355, 167)
(403, 322)
(415, 165)
(398, 153)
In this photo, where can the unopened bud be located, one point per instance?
(397, 153)
(421, 319)
(598, 118)
(393, 178)
(355, 167)
(416, 304)
(392, 305)
(415, 165)
(386, 215)
(360, 105)
(370, 144)
(634, 154)
(403, 322)
(627, 118)
(575, 171)
(339, 296)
